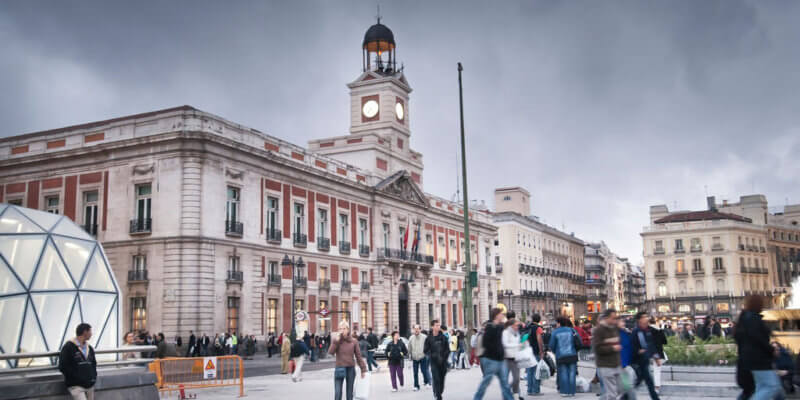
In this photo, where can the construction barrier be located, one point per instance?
(179, 373)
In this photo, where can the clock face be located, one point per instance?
(398, 109)
(370, 108)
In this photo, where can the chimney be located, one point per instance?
(712, 203)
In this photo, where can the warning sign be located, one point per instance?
(209, 367)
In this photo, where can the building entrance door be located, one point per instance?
(403, 311)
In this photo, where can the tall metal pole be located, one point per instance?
(467, 295)
(293, 306)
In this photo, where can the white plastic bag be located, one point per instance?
(583, 385)
(362, 387)
(542, 370)
(525, 358)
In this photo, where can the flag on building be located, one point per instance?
(405, 236)
(415, 245)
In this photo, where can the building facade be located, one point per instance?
(700, 263)
(611, 281)
(542, 267)
(198, 215)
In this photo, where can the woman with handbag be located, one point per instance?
(347, 353)
(396, 352)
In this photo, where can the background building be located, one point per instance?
(543, 268)
(198, 213)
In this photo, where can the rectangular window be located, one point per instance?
(362, 232)
(701, 307)
(299, 218)
(346, 309)
(233, 264)
(345, 275)
(696, 244)
(678, 244)
(272, 216)
(364, 278)
(679, 268)
(90, 212)
(402, 237)
(659, 266)
(323, 322)
(364, 320)
(386, 317)
(322, 217)
(443, 315)
(272, 316)
(233, 314)
(697, 264)
(232, 208)
(343, 228)
(715, 241)
(139, 263)
(418, 314)
(722, 307)
(323, 273)
(273, 269)
(386, 235)
(138, 313)
(51, 202)
(143, 201)
(718, 263)
(430, 313)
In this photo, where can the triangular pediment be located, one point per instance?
(401, 185)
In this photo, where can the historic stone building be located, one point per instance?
(197, 215)
(542, 267)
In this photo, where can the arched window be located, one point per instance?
(698, 286)
(720, 285)
(662, 289)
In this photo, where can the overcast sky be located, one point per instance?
(599, 108)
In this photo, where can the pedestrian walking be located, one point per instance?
(396, 352)
(298, 353)
(347, 354)
(204, 342)
(286, 350)
(564, 341)
(270, 344)
(192, 343)
(313, 347)
(161, 346)
(659, 340)
(512, 346)
(607, 349)
(755, 353)
(536, 342)
(416, 347)
(363, 345)
(78, 364)
(453, 340)
(473, 343)
(462, 351)
(437, 349)
(492, 356)
(644, 350)
(372, 339)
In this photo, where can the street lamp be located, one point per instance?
(508, 293)
(298, 264)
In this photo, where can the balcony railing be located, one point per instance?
(137, 275)
(300, 239)
(363, 250)
(345, 285)
(385, 254)
(323, 244)
(364, 285)
(658, 251)
(325, 284)
(234, 228)
(498, 268)
(274, 236)
(141, 225)
(235, 276)
(661, 273)
(717, 247)
(274, 280)
(718, 271)
(741, 247)
(344, 247)
(698, 272)
(300, 281)
(90, 229)
(681, 250)
(697, 249)
(442, 263)
(453, 265)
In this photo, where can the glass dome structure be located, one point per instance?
(53, 276)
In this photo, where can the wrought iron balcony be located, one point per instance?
(234, 228)
(679, 251)
(90, 229)
(346, 285)
(698, 272)
(697, 249)
(325, 284)
(717, 247)
(274, 280)
(364, 285)
(658, 251)
(344, 247)
(300, 281)
(323, 244)
(681, 273)
(719, 271)
(661, 273)
(141, 225)
(396, 255)
(235, 276)
(274, 236)
(363, 250)
(137, 275)
(300, 239)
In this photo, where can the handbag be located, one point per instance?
(340, 373)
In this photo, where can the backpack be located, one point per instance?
(479, 349)
(576, 340)
(532, 328)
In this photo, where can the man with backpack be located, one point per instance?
(535, 333)
(492, 356)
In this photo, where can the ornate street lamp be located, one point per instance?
(295, 264)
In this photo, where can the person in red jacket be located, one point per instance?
(584, 330)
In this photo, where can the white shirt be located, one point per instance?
(511, 344)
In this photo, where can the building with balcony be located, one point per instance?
(542, 267)
(700, 263)
(197, 212)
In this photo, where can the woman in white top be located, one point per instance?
(130, 341)
(511, 346)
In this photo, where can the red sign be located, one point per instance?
(324, 312)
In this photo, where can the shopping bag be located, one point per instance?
(626, 379)
(583, 385)
(362, 387)
(542, 370)
(525, 358)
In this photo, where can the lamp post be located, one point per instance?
(470, 274)
(294, 264)
(509, 294)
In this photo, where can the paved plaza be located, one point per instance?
(459, 384)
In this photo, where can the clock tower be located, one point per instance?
(379, 138)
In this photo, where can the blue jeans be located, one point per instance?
(453, 358)
(566, 377)
(371, 359)
(349, 379)
(426, 373)
(768, 385)
(533, 383)
(494, 368)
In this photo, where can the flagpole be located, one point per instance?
(467, 295)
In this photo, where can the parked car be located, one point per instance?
(380, 352)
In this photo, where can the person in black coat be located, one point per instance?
(78, 364)
(437, 349)
(755, 353)
(644, 350)
(785, 366)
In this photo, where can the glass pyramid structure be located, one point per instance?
(53, 276)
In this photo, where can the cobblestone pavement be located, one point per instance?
(459, 384)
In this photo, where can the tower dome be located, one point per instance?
(379, 41)
(379, 38)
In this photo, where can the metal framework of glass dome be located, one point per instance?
(53, 276)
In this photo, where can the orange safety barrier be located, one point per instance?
(177, 373)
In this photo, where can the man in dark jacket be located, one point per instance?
(644, 349)
(755, 352)
(78, 364)
(372, 339)
(192, 348)
(493, 357)
(437, 349)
